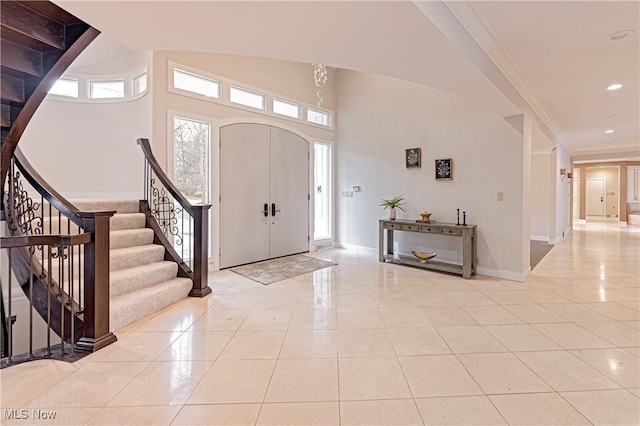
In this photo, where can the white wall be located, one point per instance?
(540, 194)
(563, 194)
(89, 150)
(379, 118)
(288, 79)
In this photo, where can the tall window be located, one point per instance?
(191, 140)
(191, 158)
(322, 190)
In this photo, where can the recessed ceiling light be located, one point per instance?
(615, 86)
(609, 131)
(620, 35)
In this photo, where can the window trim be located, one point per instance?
(224, 99)
(276, 99)
(84, 84)
(191, 93)
(252, 92)
(91, 81)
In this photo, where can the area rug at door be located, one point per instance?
(274, 270)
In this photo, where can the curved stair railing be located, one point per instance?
(39, 40)
(72, 295)
(181, 227)
(59, 249)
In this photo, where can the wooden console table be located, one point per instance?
(469, 245)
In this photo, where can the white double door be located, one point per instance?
(264, 193)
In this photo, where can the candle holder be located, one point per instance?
(458, 223)
(464, 218)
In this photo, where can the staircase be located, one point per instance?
(141, 281)
(110, 285)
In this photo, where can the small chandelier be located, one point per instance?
(320, 78)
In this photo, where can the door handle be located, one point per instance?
(265, 210)
(273, 209)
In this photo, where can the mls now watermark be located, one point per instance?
(32, 414)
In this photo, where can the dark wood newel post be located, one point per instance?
(96, 282)
(200, 251)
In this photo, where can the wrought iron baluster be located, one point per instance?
(49, 289)
(10, 325)
(71, 288)
(31, 251)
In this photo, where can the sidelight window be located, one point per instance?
(322, 192)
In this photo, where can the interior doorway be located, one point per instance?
(264, 193)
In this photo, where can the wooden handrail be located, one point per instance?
(45, 240)
(198, 269)
(164, 179)
(47, 191)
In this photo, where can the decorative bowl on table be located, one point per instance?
(422, 255)
(425, 216)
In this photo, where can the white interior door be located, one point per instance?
(595, 197)
(289, 193)
(244, 191)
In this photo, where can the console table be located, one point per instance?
(467, 233)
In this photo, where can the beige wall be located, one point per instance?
(623, 184)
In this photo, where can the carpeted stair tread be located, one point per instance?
(130, 257)
(130, 238)
(141, 281)
(131, 279)
(133, 306)
(122, 221)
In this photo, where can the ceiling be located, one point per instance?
(554, 55)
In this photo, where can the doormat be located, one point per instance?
(274, 270)
(539, 250)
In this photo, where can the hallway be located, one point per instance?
(364, 342)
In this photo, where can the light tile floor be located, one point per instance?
(370, 343)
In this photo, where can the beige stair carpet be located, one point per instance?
(141, 281)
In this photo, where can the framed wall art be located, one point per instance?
(413, 157)
(444, 169)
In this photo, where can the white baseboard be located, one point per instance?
(556, 241)
(539, 238)
(507, 275)
(357, 248)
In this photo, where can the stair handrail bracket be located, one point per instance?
(181, 227)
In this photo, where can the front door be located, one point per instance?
(264, 200)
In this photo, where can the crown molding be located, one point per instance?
(470, 19)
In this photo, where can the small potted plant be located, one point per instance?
(392, 204)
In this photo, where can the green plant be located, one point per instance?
(395, 202)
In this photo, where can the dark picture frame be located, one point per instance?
(413, 157)
(444, 169)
